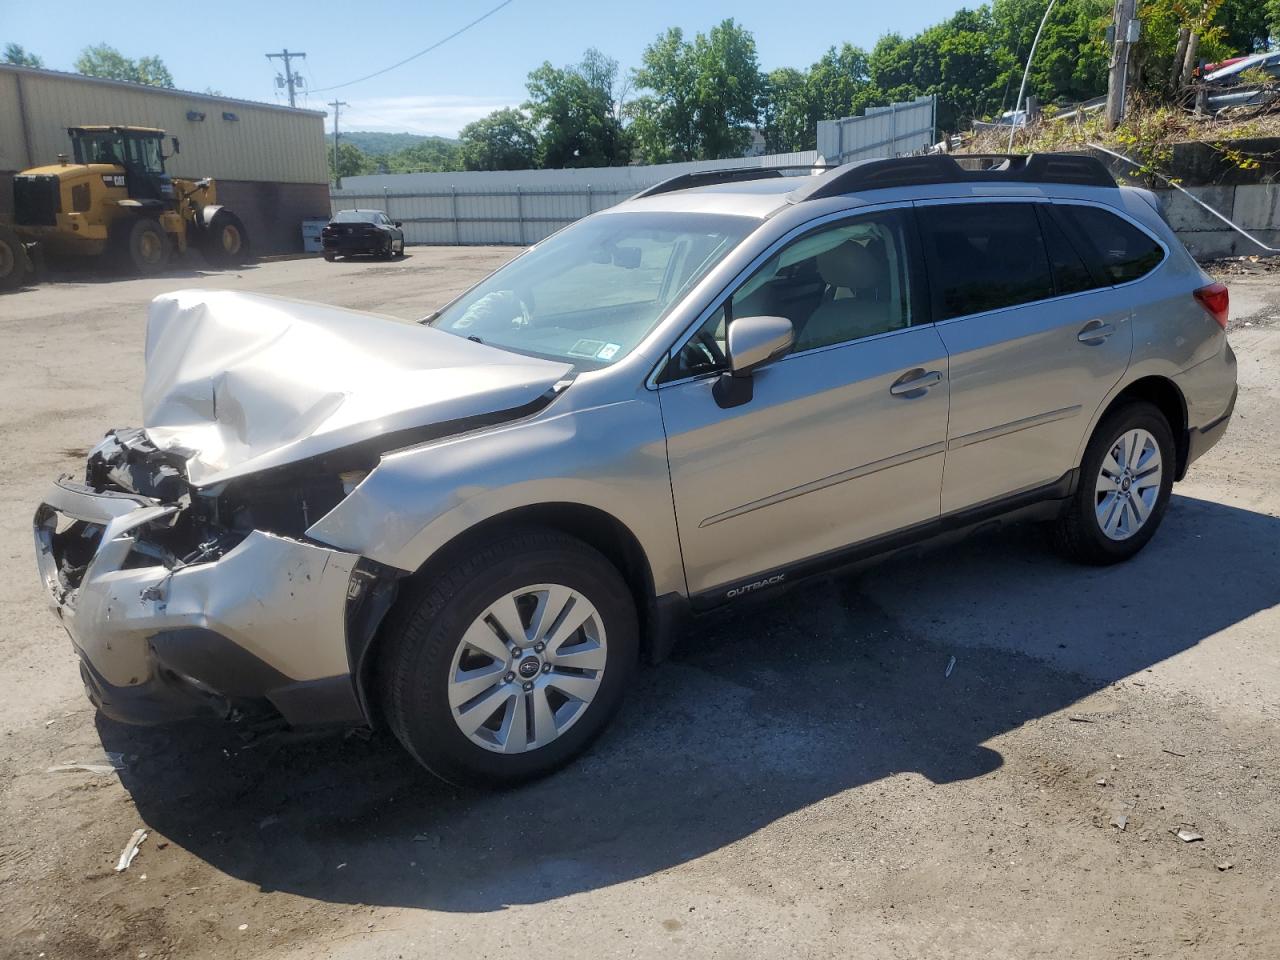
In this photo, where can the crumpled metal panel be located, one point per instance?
(281, 600)
(249, 382)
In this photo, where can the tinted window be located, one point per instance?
(840, 283)
(1124, 251)
(1070, 274)
(984, 256)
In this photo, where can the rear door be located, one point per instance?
(842, 440)
(1035, 341)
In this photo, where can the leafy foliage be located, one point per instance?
(106, 61)
(16, 54)
(504, 140)
(703, 96)
(576, 113)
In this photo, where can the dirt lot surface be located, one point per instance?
(802, 779)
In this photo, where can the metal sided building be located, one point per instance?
(269, 160)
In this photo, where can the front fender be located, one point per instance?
(610, 457)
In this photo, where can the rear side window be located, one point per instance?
(984, 256)
(1123, 251)
(1070, 273)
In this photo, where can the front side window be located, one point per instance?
(984, 256)
(592, 292)
(839, 283)
(1124, 251)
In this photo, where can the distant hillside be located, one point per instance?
(372, 141)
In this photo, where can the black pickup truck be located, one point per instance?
(370, 232)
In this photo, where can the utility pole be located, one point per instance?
(337, 106)
(1123, 34)
(291, 80)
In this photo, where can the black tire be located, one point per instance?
(13, 260)
(330, 257)
(398, 253)
(424, 632)
(225, 242)
(1078, 534)
(388, 250)
(144, 246)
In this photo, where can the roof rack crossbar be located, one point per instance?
(1062, 168)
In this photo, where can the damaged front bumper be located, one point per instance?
(160, 639)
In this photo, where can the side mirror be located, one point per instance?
(176, 145)
(397, 223)
(753, 342)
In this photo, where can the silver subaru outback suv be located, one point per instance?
(473, 529)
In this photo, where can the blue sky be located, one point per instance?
(222, 45)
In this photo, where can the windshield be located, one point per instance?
(356, 216)
(99, 148)
(592, 292)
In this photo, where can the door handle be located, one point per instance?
(1095, 332)
(914, 383)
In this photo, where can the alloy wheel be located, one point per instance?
(1128, 484)
(527, 668)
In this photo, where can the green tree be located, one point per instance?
(839, 85)
(352, 161)
(1273, 18)
(704, 96)
(504, 140)
(15, 53)
(1072, 59)
(108, 62)
(784, 118)
(576, 114)
(429, 156)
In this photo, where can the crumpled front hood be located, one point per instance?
(248, 382)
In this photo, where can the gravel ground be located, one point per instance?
(802, 779)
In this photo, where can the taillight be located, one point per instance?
(1217, 300)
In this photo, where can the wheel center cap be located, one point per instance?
(1125, 484)
(529, 667)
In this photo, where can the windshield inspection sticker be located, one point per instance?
(586, 348)
(608, 350)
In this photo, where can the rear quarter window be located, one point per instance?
(1122, 250)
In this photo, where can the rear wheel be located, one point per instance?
(13, 260)
(224, 242)
(1125, 482)
(329, 256)
(508, 666)
(146, 246)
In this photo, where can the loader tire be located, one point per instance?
(224, 242)
(143, 246)
(13, 260)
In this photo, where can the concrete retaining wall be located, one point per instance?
(1255, 207)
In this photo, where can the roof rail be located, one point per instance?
(704, 178)
(1064, 168)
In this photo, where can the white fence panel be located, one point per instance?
(517, 206)
(892, 131)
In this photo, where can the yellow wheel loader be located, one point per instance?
(114, 198)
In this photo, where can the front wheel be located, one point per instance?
(507, 666)
(1126, 479)
(224, 241)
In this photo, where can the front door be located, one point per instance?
(843, 438)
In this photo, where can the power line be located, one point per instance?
(291, 78)
(438, 43)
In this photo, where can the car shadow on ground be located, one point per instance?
(761, 712)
